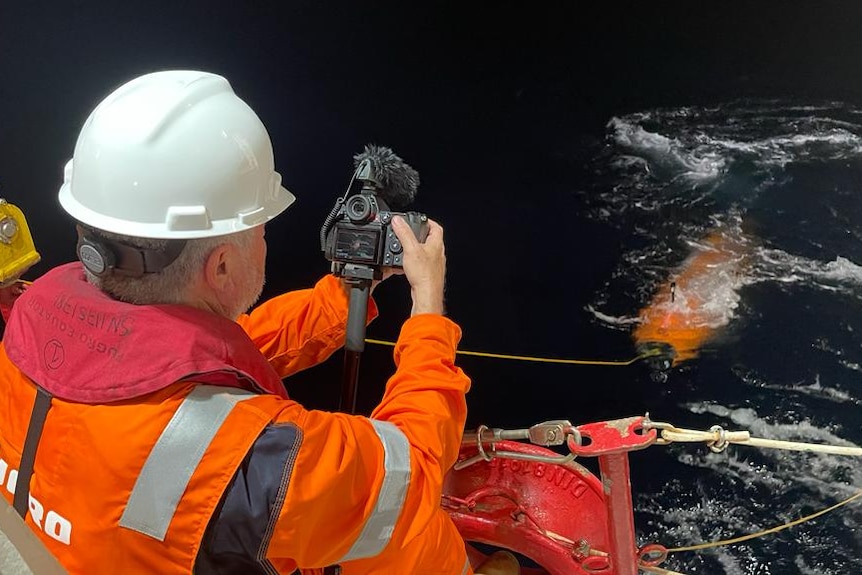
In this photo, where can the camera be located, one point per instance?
(357, 236)
(363, 234)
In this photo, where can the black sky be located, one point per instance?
(459, 87)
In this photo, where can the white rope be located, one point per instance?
(718, 439)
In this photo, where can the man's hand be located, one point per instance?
(424, 265)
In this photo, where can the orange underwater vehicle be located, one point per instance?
(697, 300)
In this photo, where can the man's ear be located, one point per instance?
(218, 266)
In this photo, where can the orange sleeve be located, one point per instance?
(425, 399)
(300, 329)
(340, 472)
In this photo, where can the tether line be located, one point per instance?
(776, 529)
(644, 355)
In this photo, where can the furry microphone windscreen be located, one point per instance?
(398, 181)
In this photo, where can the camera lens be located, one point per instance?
(360, 209)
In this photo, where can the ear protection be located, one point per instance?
(102, 256)
(95, 255)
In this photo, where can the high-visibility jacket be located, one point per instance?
(212, 469)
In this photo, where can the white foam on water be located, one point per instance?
(826, 476)
(662, 152)
(729, 500)
(820, 391)
(619, 321)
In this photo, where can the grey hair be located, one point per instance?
(169, 286)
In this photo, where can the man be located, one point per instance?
(166, 441)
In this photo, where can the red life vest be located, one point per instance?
(81, 345)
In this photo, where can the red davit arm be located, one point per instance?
(560, 516)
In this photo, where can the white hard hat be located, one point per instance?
(174, 155)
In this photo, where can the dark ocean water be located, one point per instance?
(785, 360)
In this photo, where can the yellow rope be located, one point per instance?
(657, 570)
(644, 355)
(767, 531)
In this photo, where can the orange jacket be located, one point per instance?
(220, 478)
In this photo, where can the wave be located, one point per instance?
(774, 265)
(816, 389)
(689, 156)
(619, 321)
(815, 471)
(746, 490)
(705, 151)
(782, 179)
(659, 152)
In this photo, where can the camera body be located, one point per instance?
(362, 235)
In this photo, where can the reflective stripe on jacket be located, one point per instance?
(136, 486)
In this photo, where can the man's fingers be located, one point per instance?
(435, 233)
(408, 238)
(404, 232)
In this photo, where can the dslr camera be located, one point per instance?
(357, 236)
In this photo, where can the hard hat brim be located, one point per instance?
(159, 230)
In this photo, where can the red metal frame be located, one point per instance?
(562, 517)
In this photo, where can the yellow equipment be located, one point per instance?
(17, 250)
